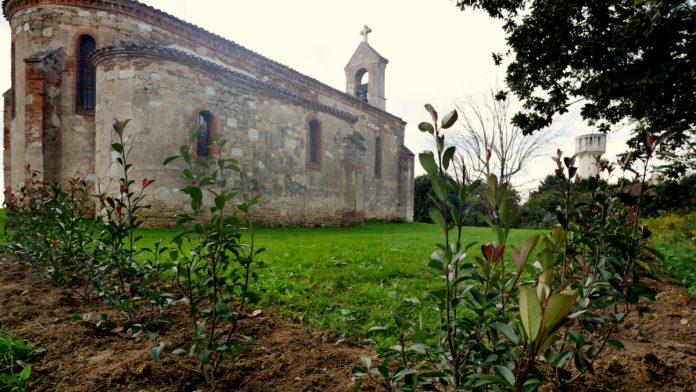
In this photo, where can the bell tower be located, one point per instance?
(365, 73)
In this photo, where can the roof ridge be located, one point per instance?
(195, 60)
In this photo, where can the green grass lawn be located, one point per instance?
(349, 279)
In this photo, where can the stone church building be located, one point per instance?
(321, 156)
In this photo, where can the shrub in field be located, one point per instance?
(130, 284)
(676, 239)
(75, 262)
(514, 322)
(28, 232)
(670, 223)
(212, 262)
(14, 372)
(45, 227)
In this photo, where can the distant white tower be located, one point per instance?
(587, 147)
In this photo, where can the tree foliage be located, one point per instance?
(624, 60)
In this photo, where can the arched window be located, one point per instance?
(378, 157)
(205, 120)
(361, 89)
(314, 143)
(86, 75)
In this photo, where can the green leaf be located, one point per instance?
(449, 119)
(426, 127)
(506, 374)
(222, 308)
(25, 373)
(171, 159)
(439, 187)
(437, 217)
(419, 348)
(485, 379)
(576, 336)
(531, 385)
(156, 353)
(561, 359)
(205, 357)
(530, 312)
(427, 160)
(117, 147)
(432, 111)
(447, 156)
(507, 331)
(522, 256)
(359, 372)
(615, 343)
(403, 373)
(558, 307)
(367, 361)
(220, 202)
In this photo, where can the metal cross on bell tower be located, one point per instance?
(365, 31)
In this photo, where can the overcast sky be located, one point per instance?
(436, 52)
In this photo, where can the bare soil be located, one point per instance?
(286, 356)
(660, 347)
(660, 353)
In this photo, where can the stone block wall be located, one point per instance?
(261, 107)
(267, 132)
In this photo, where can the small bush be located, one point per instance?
(675, 238)
(14, 372)
(213, 265)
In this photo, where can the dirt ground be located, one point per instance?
(660, 352)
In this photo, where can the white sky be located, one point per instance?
(436, 52)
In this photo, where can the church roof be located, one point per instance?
(214, 69)
(151, 14)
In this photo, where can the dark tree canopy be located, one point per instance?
(631, 60)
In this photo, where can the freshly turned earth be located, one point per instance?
(660, 352)
(286, 356)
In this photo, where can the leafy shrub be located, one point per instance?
(130, 284)
(424, 200)
(77, 258)
(672, 196)
(676, 240)
(14, 372)
(29, 232)
(497, 318)
(213, 265)
(667, 224)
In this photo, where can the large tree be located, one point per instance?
(488, 142)
(622, 60)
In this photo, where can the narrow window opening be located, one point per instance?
(314, 140)
(86, 75)
(205, 120)
(361, 88)
(378, 157)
